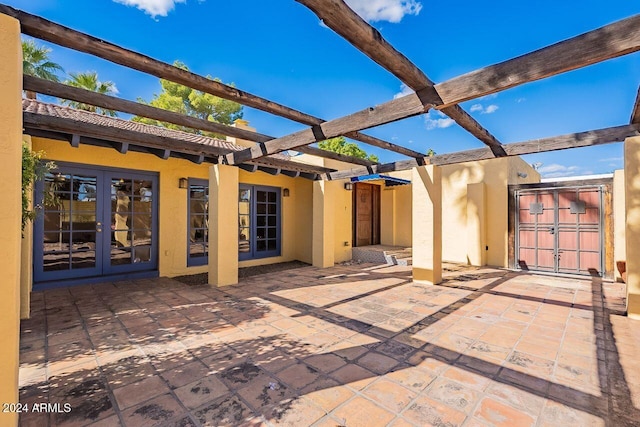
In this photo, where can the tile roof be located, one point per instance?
(53, 110)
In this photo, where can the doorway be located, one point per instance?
(95, 222)
(366, 214)
(560, 230)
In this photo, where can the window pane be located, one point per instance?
(261, 208)
(272, 209)
(244, 195)
(142, 254)
(198, 200)
(272, 221)
(120, 256)
(271, 245)
(261, 196)
(271, 233)
(261, 233)
(244, 246)
(272, 197)
(261, 245)
(261, 221)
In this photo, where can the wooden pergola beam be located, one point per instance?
(344, 21)
(562, 142)
(63, 91)
(611, 41)
(635, 114)
(43, 29)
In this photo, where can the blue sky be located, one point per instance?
(279, 50)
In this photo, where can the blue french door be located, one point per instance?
(95, 222)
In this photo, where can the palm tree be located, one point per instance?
(89, 81)
(35, 62)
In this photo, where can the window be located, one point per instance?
(258, 222)
(198, 227)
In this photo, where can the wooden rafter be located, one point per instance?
(43, 29)
(63, 91)
(344, 21)
(611, 41)
(562, 142)
(635, 114)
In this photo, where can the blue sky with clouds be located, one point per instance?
(279, 50)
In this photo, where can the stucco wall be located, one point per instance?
(11, 212)
(619, 219)
(496, 174)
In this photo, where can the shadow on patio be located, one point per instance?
(351, 345)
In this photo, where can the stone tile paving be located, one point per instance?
(358, 345)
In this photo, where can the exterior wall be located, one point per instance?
(172, 210)
(11, 212)
(619, 219)
(343, 222)
(290, 244)
(395, 212)
(632, 232)
(304, 220)
(496, 174)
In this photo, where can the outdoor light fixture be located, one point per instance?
(285, 192)
(522, 175)
(183, 183)
(348, 186)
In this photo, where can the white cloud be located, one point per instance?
(489, 109)
(404, 91)
(152, 7)
(611, 159)
(384, 10)
(437, 120)
(556, 170)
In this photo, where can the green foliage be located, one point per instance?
(36, 62)
(430, 152)
(89, 81)
(33, 169)
(341, 146)
(184, 100)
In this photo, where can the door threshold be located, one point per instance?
(56, 284)
(564, 275)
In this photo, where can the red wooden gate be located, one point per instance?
(560, 230)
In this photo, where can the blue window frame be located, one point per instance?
(259, 222)
(198, 225)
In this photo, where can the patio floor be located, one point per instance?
(357, 345)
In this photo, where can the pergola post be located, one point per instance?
(11, 212)
(323, 250)
(426, 215)
(223, 225)
(632, 228)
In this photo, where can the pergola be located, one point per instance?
(611, 41)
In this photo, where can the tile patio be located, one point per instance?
(358, 345)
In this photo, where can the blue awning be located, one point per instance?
(389, 181)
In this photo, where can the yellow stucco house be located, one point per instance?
(133, 201)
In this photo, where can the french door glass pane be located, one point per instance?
(70, 222)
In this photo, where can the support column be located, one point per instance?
(426, 183)
(632, 231)
(223, 225)
(11, 212)
(476, 234)
(323, 249)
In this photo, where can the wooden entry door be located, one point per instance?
(560, 230)
(366, 214)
